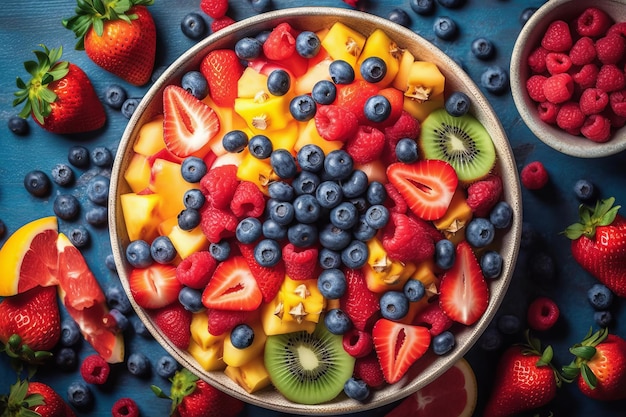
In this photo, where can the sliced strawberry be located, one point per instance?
(398, 346)
(222, 70)
(188, 123)
(232, 287)
(268, 279)
(353, 96)
(154, 286)
(358, 302)
(174, 321)
(427, 186)
(463, 291)
(222, 321)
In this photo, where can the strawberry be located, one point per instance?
(464, 294)
(222, 70)
(154, 286)
(36, 399)
(188, 123)
(59, 96)
(33, 316)
(600, 366)
(214, 8)
(174, 320)
(358, 302)
(222, 321)
(281, 43)
(525, 380)
(598, 244)
(398, 346)
(119, 37)
(407, 239)
(232, 287)
(353, 96)
(426, 185)
(268, 279)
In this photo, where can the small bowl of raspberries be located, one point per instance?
(570, 63)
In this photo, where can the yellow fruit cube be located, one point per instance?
(238, 357)
(285, 138)
(187, 242)
(137, 174)
(251, 83)
(315, 73)
(379, 44)
(309, 134)
(458, 215)
(382, 273)
(264, 112)
(424, 81)
(150, 137)
(343, 42)
(255, 170)
(420, 110)
(404, 67)
(273, 324)
(229, 120)
(167, 181)
(300, 301)
(200, 331)
(252, 376)
(141, 215)
(210, 359)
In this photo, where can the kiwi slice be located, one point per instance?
(461, 141)
(308, 368)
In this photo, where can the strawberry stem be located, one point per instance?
(602, 215)
(183, 384)
(584, 352)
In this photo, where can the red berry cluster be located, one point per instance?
(578, 75)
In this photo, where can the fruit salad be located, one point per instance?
(313, 212)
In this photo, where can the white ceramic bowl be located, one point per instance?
(428, 367)
(528, 39)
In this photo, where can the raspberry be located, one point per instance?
(596, 128)
(358, 302)
(570, 117)
(482, 195)
(219, 184)
(547, 112)
(583, 52)
(593, 100)
(537, 60)
(300, 263)
(534, 87)
(125, 407)
(221, 23)
(248, 200)
(95, 369)
(335, 122)
(617, 99)
(196, 270)
(610, 49)
(358, 343)
(618, 28)
(368, 369)
(407, 239)
(406, 126)
(534, 175)
(616, 120)
(558, 88)
(214, 8)
(367, 145)
(610, 78)
(542, 314)
(587, 76)
(395, 203)
(558, 62)
(222, 321)
(433, 317)
(593, 22)
(281, 43)
(557, 37)
(217, 224)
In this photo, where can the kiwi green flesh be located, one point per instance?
(461, 141)
(308, 368)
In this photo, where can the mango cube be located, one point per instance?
(200, 331)
(273, 324)
(187, 242)
(264, 112)
(424, 81)
(342, 42)
(137, 174)
(382, 273)
(210, 359)
(141, 215)
(300, 301)
(168, 182)
(150, 137)
(252, 376)
(458, 215)
(379, 44)
(309, 134)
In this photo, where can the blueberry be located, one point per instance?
(600, 297)
(541, 267)
(302, 107)
(483, 48)
(329, 259)
(491, 339)
(248, 230)
(376, 193)
(262, 35)
(274, 230)
(278, 82)
(491, 264)
(337, 322)
(341, 72)
(479, 232)
(356, 389)
(138, 254)
(191, 299)
(603, 318)
(332, 283)
(310, 158)
(166, 366)
(162, 250)
(66, 359)
(261, 6)
(220, 250)
(355, 185)
(334, 238)
(526, 14)
(443, 342)
(194, 199)
(377, 108)
(355, 254)
(102, 157)
(584, 190)
(260, 146)
(501, 215)
(338, 164)
(267, 252)
(302, 235)
(282, 213)
(79, 236)
(66, 206)
(308, 44)
(394, 305)
(344, 215)
(305, 183)
(117, 298)
(78, 156)
(114, 96)
(189, 219)
(414, 290)
(141, 329)
(451, 4)
(79, 395)
(37, 183)
(242, 336)
(98, 189)
(377, 216)
(193, 169)
(193, 25)
(248, 48)
(329, 194)
(129, 106)
(324, 92)
(495, 79)
(121, 321)
(109, 262)
(406, 150)
(70, 332)
(281, 191)
(362, 230)
(509, 324)
(235, 141)
(373, 69)
(445, 28)
(138, 364)
(399, 16)
(196, 84)
(445, 254)
(457, 104)
(18, 125)
(422, 7)
(283, 163)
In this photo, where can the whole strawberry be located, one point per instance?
(599, 244)
(59, 96)
(600, 366)
(525, 380)
(27, 398)
(119, 36)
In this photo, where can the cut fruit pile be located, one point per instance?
(313, 338)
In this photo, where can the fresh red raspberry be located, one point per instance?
(407, 239)
(558, 62)
(557, 37)
(593, 22)
(542, 314)
(596, 128)
(583, 52)
(406, 126)
(610, 49)
(558, 88)
(369, 371)
(248, 200)
(586, 76)
(300, 263)
(222, 321)
(219, 184)
(125, 407)
(534, 175)
(196, 270)
(358, 302)
(433, 317)
(617, 99)
(548, 111)
(281, 42)
(537, 60)
(593, 100)
(534, 87)
(570, 117)
(483, 194)
(357, 343)
(217, 224)
(95, 370)
(395, 202)
(610, 78)
(367, 145)
(616, 120)
(214, 8)
(335, 123)
(618, 28)
(221, 23)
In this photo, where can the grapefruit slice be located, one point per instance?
(29, 257)
(453, 394)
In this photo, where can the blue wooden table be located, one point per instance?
(25, 24)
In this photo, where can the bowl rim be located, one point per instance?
(528, 38)
(429, 368)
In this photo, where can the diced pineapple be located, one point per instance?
(300, 301)
(141, 215)
(200, 331)
(150, 137)
(255, 170)
(458, 215)
(421, 110)
(382, 273)
(167, 181)
(264, 113)
(137, 174)
(379, 44)
(252, 376)
(187, 242)
(402, 77)
(342, 42)
(273, 325)
(210, 359)
(424, 81)
(251, 83)
(166, 226)
(239, 357)
(285, 138)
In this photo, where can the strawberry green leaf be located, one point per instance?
(603, 214)
(588, 376)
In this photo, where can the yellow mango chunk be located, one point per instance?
(137, 174)
(187, 242)
(458, 215)
(382, 273)
(255, 170)
(150, 137)
(251, 83)
(273, 325)
(400, 82)
(285, 138)
(210, 359)
(167, 181)
(342, 42)
(424, 81)
(141, 215)
(200, 331)
(252, 376)
(238, 357)
(264, 112)
(379, 44)
(421, 110)
(300, 301)
(166, 226)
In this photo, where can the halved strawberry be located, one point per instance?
(427, 186)
(188, 123)
(353, 96)
(268, 279)
(154, 286)
(232, 287)
(463, 291)
(222, 70)
(398, 346)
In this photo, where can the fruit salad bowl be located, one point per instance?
(135, 200)
(534, 110)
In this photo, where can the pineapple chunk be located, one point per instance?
(150, 138)
(273, 325)
(251, 83)
(404, 67)
(458, 215)
(342, 42)
(300, 301)
(380, 45)
(200, 331)
(424, 81)
(187, 242)
(421, 110)
(255, 170)
(252, 376)
(210, 359)
(239, 357)
(264, 112)
(141, 215)
(137, 174)
(382, 273)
